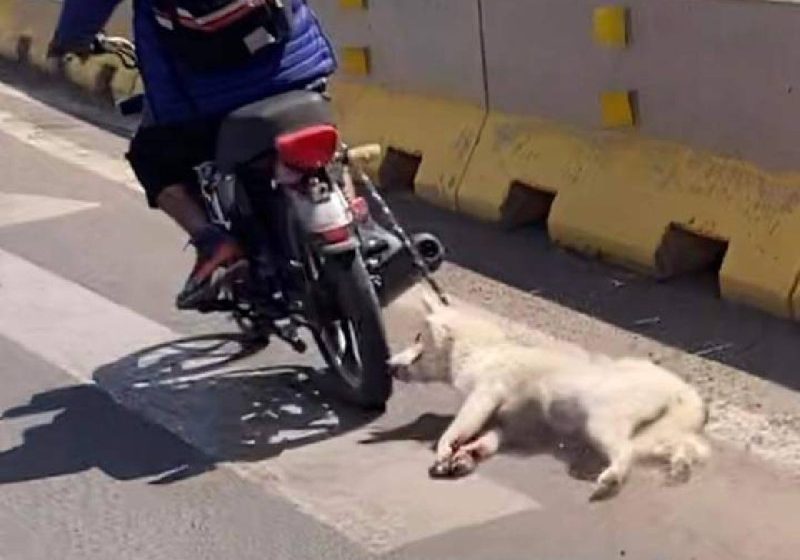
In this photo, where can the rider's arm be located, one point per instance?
(79, 22)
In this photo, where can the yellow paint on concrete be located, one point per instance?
(353, 4)
(26, 18)
(6, 15)
(618, 193)
(355, 61)
(346, 98)
(511, 148)
(611, 26)
(444, 132)
(795, 301)
(617, 109)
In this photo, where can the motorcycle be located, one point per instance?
(299, 201)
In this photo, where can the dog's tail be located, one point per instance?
(675, 436)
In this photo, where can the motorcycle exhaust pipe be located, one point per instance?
(430, 249)
(396, 269)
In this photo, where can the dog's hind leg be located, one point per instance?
(689, 451)
(675, 437)
(611, 436)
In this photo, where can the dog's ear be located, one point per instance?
(407, 356)
(431, 302)
(440, 333)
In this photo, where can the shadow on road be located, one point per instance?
(90, 431)
(686, 313)
(203, 406)
(582, 462)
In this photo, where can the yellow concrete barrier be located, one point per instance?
(619, 195)
(26, 27)
(442, 132)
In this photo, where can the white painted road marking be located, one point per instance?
(20, 208)
(379, 497)
(114, 169)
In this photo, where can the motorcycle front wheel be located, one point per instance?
(351, 334)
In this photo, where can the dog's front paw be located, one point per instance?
(457, 466)
(462, 465)
(440, 469)
(608, 484)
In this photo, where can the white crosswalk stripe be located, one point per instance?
(20, 208)
(378, 496)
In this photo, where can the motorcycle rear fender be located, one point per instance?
(323, 217)
(351, 244)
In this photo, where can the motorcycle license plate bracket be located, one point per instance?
(319, 192)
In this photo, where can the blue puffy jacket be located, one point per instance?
(176, 94)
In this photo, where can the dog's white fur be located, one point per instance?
(628, 409)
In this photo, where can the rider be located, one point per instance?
(201, 59)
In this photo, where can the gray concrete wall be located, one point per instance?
(718, 74)
(424, 46)
(722, 75)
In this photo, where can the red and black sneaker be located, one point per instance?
(219, 257)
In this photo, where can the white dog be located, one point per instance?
(627, 409)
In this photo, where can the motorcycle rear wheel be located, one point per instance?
(352, 335)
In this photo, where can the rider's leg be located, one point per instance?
(216, 249)
(163, 158)
(178, 203)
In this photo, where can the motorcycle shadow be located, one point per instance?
(211, 392)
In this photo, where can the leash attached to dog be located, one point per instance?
(370, 152)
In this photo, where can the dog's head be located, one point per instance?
(428, 359)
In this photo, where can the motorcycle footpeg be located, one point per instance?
(299, 346)
(287, 331)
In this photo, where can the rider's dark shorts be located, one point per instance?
(163, 155)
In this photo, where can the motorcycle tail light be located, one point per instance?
(309, 148)
(336, 235)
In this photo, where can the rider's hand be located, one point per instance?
(57, 51)
(82, 49)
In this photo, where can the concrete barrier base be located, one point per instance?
(655, 206)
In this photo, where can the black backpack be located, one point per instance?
(213, 35)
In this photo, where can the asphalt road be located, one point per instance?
(132, 431)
